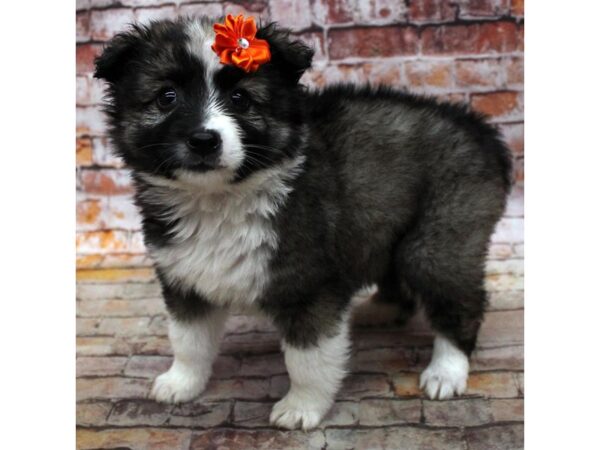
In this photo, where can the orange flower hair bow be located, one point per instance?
(236, 44)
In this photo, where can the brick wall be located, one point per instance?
(461, 50)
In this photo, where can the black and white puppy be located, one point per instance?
(260, 195)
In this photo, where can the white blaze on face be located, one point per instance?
(216, 118)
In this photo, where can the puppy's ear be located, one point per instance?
(291, 57)
(113, 62)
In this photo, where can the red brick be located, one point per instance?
(457, 413)
(372, 42)
(124, 326)
(356, 387)
(133, 438)
(517, 8)
(515, 72)
(90, 121)
(406, 384)
(394, 438)
(102, 241)
(452, 97)
(111, 387)
(480, 73)
(509, 230)
(293, 14)
(257, 9)
(87, 326)
(381, 12)
(514, 136)
(496, 437)
(263, 365)
(120, 291)
(499, 358)
(521, 37)
(493, 384)
(82, 4)
(102, 346)
(501, 328)
(428, 74)
(251, 343)
(85, 55)
(142, 3)
(147, 366)
(207, 9)
(105, 23)
(108, 213)
(123, 275)
(378, 412)
(257, 439)
(239, 388)
(107, 181)
(500, 251)
(100, 365)
(498, 104)
(103, 155)
(120, 308)
(139, 412)
(389, 360)
(507, 410)
(83, 151)
(83, 91)
(519, 171)
(92, 414)
(512, 299)
(251, 414)
(483, 8)
(492, 37)
(423, 11)
(145, 15)
(349, 73)
(341, 414)
(82, 26)
(200, 414)
(333, 11)
(383, 72)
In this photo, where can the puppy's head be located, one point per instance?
(175, 111)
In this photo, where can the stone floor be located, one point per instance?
(122, 346)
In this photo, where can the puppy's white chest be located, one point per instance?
(221, 250)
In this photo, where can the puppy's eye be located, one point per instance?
(167, 98)
(240, 99)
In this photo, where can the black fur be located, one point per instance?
(396, 189)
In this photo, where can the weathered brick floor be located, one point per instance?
(122, 346)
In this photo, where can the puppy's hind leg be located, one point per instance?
(390, 301)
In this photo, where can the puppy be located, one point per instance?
(260, 195)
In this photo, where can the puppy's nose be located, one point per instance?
(204, 142)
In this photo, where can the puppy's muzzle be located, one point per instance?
(205, 145)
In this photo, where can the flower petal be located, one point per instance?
(248, 30)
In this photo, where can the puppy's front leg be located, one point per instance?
(316, 373)
(195, 346)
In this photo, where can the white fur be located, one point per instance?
(224, 239)
(447, 372)
(316, 375)
(195, 346)
(232, 154)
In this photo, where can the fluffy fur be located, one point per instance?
(303, 198)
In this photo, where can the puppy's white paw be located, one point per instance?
(442, 382)
(177, 386)
(447, 372)
(295, 411)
